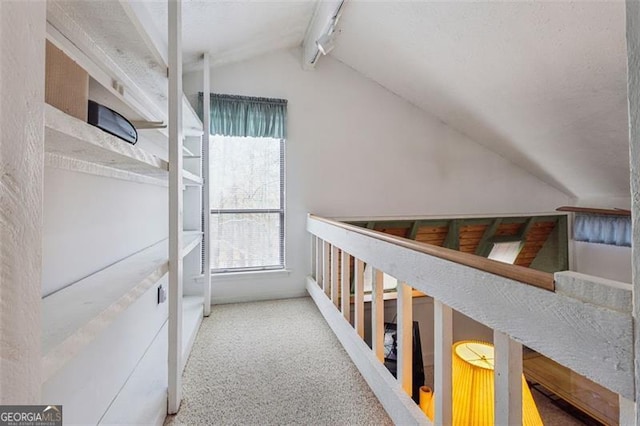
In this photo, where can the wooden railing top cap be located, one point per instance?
(524, 275)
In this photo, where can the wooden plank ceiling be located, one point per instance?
(476, 236)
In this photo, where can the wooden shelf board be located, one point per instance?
(75, 145)
(110, 98)
(72, 138)
(148, 379)
(190, 179)
(61, 162)
(190, 121)
(192, 308)
(187, 152)
(77, 314)
(125, 55)
(191, 241)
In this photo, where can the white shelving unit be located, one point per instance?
(127, 74)
(75, 145)
(70, 137)
(74, 316)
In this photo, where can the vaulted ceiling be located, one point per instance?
(541, 83)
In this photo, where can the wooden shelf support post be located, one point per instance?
(206, 215)
(22, 67)
(175, 205)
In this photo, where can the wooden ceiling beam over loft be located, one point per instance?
(484, 246)
(478, 235)
(452, 240)
(414, 230)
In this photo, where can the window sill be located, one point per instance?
(231, 276)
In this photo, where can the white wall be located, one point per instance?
(91, 222)
(602, 260)
(356, 149)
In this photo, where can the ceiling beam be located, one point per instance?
(319, 25)
(452, 241)
(484, 246)
(526, 228)
(413, 233)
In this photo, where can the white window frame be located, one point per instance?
(282, 215)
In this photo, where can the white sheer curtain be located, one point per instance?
(613, 230)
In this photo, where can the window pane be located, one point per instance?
(245, 240)
(245, 173)
(506, 252)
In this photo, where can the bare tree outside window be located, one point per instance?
(247, 203)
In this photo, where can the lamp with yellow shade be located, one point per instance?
(473, 394)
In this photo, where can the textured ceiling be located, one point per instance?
(235, 30)
(541, 83)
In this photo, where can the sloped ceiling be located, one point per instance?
(235, 30)
(541, 83)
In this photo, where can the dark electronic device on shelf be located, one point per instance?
(111, 122)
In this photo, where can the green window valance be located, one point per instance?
(246, 116)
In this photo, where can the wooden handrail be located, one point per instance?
(524, 275)
(588, 210)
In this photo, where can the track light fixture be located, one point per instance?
(325, 43)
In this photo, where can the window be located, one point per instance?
(246, 182)
(247, 203)
(602, 229)
(506, 252)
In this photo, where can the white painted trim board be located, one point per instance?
(594, 341)
(398, 405)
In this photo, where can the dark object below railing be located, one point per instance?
(524, 275)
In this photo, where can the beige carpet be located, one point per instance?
(273, 363)
(278, 363)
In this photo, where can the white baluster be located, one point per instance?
(377, 314)
(507, 372)
(345, 281)
(358, 287)
(405, 337)
(326, 268)
(443, 341)
(335, 270)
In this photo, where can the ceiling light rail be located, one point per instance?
(322, 31)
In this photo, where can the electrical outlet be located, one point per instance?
(162, 295)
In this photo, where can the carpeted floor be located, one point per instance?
(279, 363)
(273, 363)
